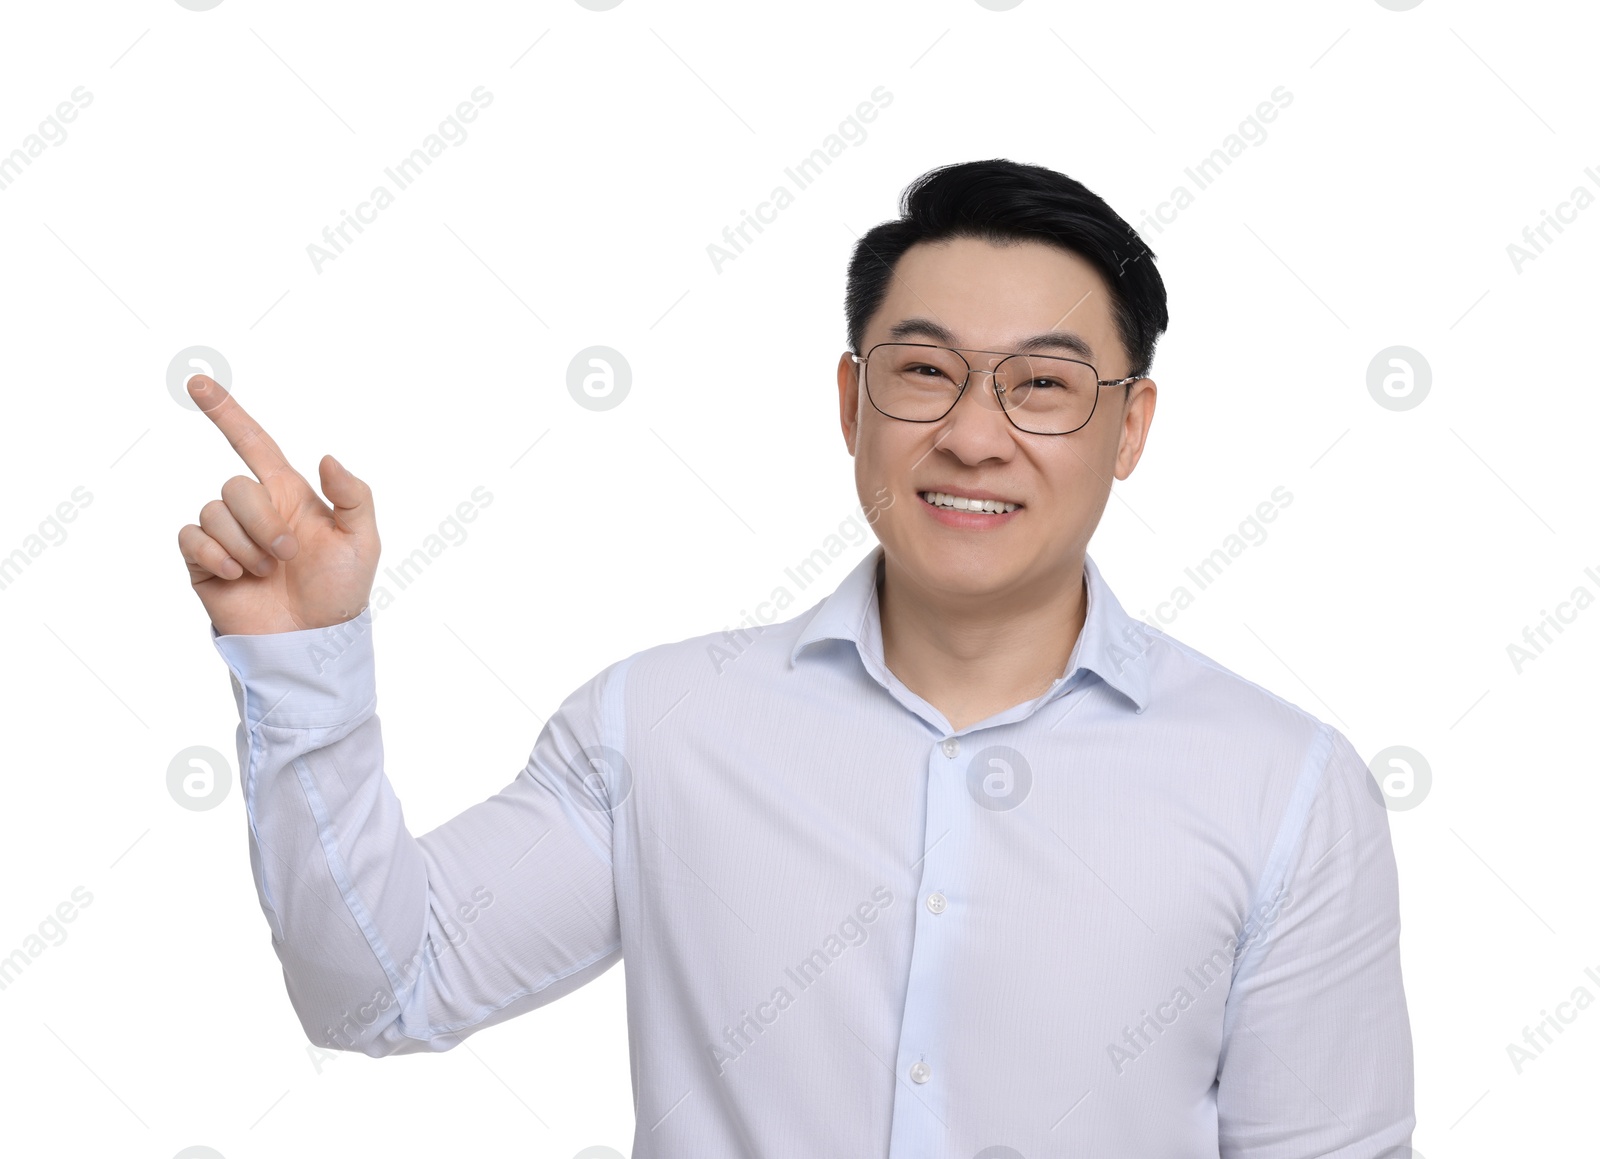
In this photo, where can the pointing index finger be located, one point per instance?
(245, 435)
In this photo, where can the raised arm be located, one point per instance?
(389, 943)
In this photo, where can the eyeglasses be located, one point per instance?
(1041, 394)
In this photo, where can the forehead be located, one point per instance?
(988, 294)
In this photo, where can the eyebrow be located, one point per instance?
(1050, 340)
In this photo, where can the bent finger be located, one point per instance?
(251, 504)
(206, 557)
(217, 521)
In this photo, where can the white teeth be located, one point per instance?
(958, 503)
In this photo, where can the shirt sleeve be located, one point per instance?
(1316, 1057)
(391, 943)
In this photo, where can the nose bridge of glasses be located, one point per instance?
(996, 363)
(993, 398)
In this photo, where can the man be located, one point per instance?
(961, 861)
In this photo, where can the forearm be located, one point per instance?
(392, 943)
(343, 884)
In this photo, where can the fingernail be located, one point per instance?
(281, 547)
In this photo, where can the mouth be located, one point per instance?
(968, 510)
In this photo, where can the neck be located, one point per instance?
(971, 659)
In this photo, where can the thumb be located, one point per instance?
(351, 498)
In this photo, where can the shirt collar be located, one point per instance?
(1112, 645)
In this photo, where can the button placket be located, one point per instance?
(918, 1123)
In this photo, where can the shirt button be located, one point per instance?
(920, 1072)
(951, 747)
(936, 903)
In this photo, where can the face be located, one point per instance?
(974, 295)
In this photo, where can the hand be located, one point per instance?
(270, 555)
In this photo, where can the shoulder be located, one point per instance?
(710, 665)
(1218, 708)
(1295, 772)
(1181, 671)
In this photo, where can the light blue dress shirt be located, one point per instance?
(1150, 914)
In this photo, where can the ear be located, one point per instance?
(1137, 414)
(849, 400)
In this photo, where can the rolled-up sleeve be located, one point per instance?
(392, 943)
(1316, 1057)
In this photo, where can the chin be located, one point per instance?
(973, 569)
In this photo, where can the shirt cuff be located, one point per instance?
(314, 678)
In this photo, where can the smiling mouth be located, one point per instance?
(959, 503)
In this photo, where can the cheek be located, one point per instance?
(1079, 490)
(883, 452)
(1083, 470)
(884, 464)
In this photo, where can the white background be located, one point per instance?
(433, 353)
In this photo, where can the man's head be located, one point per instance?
(992, 258)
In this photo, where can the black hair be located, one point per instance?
(1004, 201)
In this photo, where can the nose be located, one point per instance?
(969, 434)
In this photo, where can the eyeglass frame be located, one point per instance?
(861, 361)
